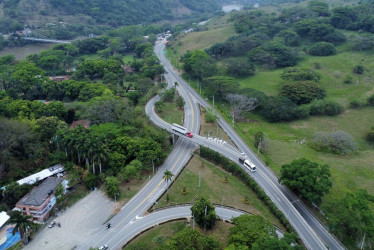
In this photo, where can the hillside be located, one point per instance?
(78, 14)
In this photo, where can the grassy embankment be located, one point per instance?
(153, 238)
(348, 172)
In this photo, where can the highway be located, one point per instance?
(288, 203)
(311, 231)
(154, 189)
(168, 214)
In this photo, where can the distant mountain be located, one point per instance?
(14, 13)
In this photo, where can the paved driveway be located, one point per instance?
(77, 224)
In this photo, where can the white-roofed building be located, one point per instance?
(42, 175)
(4, 217)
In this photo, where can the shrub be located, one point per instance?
(358, 69)
(325, 107)
(371, 100)
(370, 136)
(348, 79)
(338, 142)
(302, 92)
(317, 65)
(300, 74)
(355, 104)
(322, 49)
(210, 116)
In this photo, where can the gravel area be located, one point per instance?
(77, 223)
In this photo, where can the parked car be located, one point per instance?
(52, 224)
(104, 247)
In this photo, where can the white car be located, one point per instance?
(104, 247)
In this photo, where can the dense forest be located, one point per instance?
(92, 15)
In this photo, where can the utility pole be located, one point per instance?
(199, 178)
(153, 167)
(206, 208)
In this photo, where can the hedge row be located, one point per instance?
(243, 176)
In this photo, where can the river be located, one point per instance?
(22, 52)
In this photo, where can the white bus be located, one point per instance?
(250, 166)
(178, 128)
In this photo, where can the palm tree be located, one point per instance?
(22, 224)
(102, 153)
(167, 176)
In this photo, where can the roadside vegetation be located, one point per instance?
(312, 81)
(93, 122)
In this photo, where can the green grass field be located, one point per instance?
(171, 113)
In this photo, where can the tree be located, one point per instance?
(204, 213)
(248, 229)
(26, 76)
(240, 104)
(198, 64)
(220, 86)
(307, 179)
(321, 8)
(168, 175)
(322, 49)
(192, 239)
(14, 192)
(261, 141)
(362, 42)
(279, 108)
(143, 85)
(282, 55)
(288, 242)
(22, 222)
(300, 74)
(180, 102)
(131, 170)
(302, 92)
(325, 107)
(112, 186)
(352, 219)
(60, 194)
(289, 37)
(210, 116)
(238, 67)
(337, 142)
(47, 127)
(90, 180)
(358, 69)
